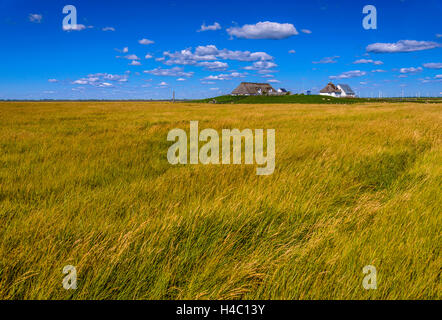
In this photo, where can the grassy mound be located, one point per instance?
(305, 99)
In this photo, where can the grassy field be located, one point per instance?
(88, 184)
(310, 99)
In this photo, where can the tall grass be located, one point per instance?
(89, 185)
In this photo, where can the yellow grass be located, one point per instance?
(88, 184)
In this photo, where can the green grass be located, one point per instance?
(310, 99)
(88, 184)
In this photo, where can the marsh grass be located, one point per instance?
(88, 184)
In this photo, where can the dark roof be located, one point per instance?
(252, 88)
(330, 88)
(346, 88)
(283, 90)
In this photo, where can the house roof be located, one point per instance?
(346, 88)
(252, 88)
(330, 88)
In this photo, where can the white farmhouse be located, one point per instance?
(346, 91)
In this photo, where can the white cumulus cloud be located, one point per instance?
(264, 30)
(101, 80)
(76, 27)
(433, 65)
(80, 81)
(35, 17)
(131, 57)
(365, 61)
(402, 46)
(349, 74)
(211, 53)
(327, 60)
(410, 70)
(259, 65)
(145, 41)
(243, 55)
(213, 27)
(227, 76)
(173, 72)
(214, 65)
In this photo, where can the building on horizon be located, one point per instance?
(253, 89)
(339, 91)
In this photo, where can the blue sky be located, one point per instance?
(145, 49)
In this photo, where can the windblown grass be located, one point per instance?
(89, 185)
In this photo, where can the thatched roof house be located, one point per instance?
(253, 89)
(341, 90)
(330, 90)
